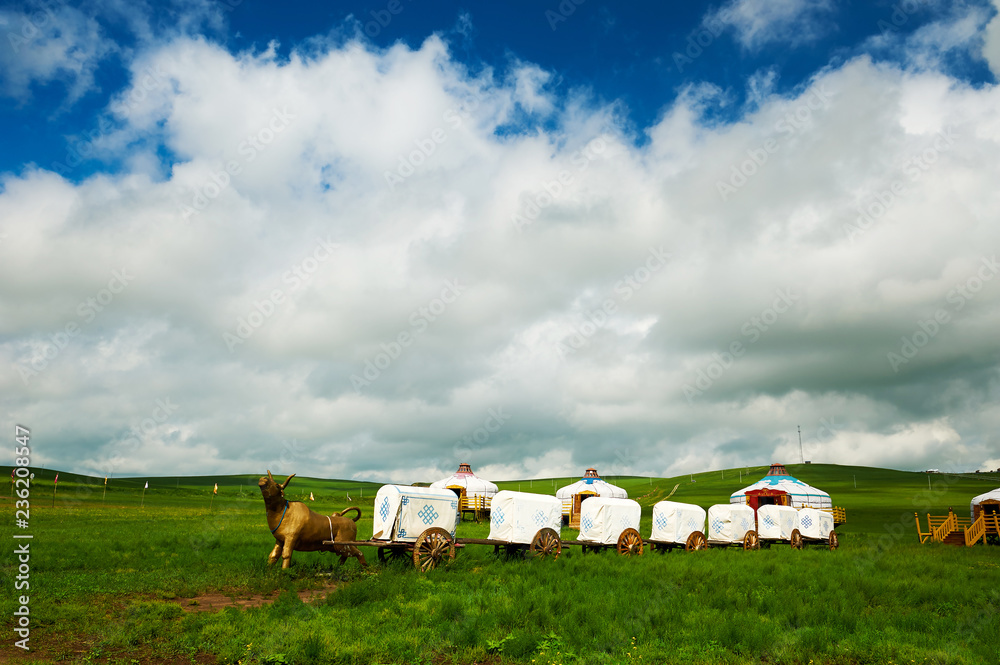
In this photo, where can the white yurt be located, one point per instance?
(467, 485)
(988, 503)
(779, 488)
(573, 496)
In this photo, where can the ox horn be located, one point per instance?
(270, 476)
(287, 480)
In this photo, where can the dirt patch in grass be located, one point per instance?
(68, 648)
(215, 602)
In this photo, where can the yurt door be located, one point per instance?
(574, 515)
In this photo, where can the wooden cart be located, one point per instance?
(629, 543)
(677, 525)
(431, 547)
(816, 526)
(732, 525)
(546, 543)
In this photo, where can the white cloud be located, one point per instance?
(279, 153)
(991, 43)
(52, 44)
(759, 23)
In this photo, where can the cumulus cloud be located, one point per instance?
(345, 261)
(758, 23)
(991, 43)
(52, 44)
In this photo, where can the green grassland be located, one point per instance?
(110, 582)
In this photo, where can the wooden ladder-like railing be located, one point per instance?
(945, 529)
(975, 531)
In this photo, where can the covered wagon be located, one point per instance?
(522, 522)
(732, 524)
(611, 522)
(777, 523)
(420, 520)
(678, 525)
(816, 526)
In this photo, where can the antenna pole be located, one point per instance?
(801, 454)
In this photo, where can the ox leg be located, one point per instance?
(286, 553)
(350, 551)
(275, 553)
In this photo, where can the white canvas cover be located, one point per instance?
(473, 484)
(815, 523)
(602, 520)
(517, 516)
(993, 495)
(729, 522)
(402, 512)
(800, 494)
(673, 522)
(777, 522)
(598, 486)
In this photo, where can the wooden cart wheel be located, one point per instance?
(630, 543)
(432, 546)
(834, 541)
(696, 541)
(751, 541)
(546, 543)
(796, 540)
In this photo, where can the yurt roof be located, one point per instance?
(993, 495)
(778, 479)
(464, 477)
(592, 482)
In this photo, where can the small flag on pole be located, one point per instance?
(105, 480)
(56, 480)
(311, 497)
(147, 485)
(216, 490)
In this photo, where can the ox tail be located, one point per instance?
(347, 510)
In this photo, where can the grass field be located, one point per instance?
(113, 582)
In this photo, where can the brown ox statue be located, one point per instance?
(296, 528)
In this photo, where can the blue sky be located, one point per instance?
(378, 239)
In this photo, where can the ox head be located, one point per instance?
(270, 488)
